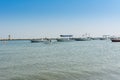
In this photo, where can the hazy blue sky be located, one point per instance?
(50, 18)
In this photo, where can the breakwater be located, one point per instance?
(96, 38)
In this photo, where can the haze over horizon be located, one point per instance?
(50, 18)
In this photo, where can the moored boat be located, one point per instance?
(39, 40)
(115, 40)
(64, 40)
(82, 39)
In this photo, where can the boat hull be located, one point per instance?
(64, 40)
(38, 41)
(82, 39)
(115, 40)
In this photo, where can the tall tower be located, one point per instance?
(9, 37)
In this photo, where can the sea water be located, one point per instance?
(77, 60)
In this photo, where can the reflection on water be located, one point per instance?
(89, 60)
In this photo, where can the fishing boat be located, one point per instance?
(46, 41)
(65, 38)
(82, 39)
(40, 40)
(115, 40)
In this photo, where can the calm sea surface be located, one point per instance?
(84, 60)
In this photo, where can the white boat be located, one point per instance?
(46, 41)
(65, 38)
